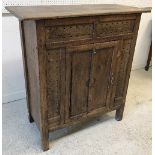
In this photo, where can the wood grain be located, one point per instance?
(99, 80)
(31, 57)
(80, 75)
(42, 85)
(61, 11)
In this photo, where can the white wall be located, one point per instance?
(13, 76)
(143, 41)
(12, 66)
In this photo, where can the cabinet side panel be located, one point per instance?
(31, 54)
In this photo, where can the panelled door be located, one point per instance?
(90, 78)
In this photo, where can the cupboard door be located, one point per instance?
(103, 76)
(91, 72)
(78, 63)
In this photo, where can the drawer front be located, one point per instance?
(62, 32)
(65, 33)
(114, 28)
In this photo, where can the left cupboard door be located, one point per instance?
(78, 65)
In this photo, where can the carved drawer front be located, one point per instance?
(65, 33)
(113, 28)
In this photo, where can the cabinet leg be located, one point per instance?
(30, 118)
(119, 113)
(45, 140)
(147, 67)
(149, 58)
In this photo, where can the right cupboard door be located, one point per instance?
(103, 76)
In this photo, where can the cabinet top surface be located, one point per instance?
(63, 11)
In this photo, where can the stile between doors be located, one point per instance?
(91, 72)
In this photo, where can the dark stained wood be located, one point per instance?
(103, 58)
(69, 32)
(76, 67)
(42, 84)
(125, 53)
(60, 11)
(149, 58)
(55, 66)
(111, 28)
(80, 64)
(119, 111)
(53, 80)
(84, 118)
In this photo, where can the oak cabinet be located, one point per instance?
(77, 65)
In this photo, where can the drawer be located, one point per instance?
(115, 27)
(61, 32)
(66, 33)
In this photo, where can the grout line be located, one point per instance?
(14, 101)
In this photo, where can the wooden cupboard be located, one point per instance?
(77, 63)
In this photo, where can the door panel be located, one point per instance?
(80, 64)
(101, 64)
(103, 76)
